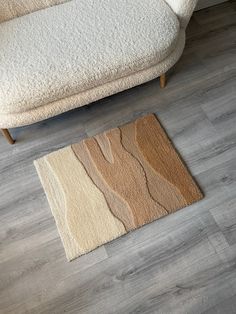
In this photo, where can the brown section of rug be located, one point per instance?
(105, 186)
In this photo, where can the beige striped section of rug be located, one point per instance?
(105, 186)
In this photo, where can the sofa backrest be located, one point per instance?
(10, 9)
(183, 9)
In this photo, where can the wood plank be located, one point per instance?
(183, 262)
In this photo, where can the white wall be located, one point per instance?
(207, 3)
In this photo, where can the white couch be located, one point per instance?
(71, 54)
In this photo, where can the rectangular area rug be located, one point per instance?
(114, 182)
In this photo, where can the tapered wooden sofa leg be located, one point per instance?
(7, 136)
(163, 80)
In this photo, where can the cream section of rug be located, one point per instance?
(112, 183)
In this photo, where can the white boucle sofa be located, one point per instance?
(69, 55)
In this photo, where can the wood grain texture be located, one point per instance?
(7, 136)
(99, 189)
(163, 80)
(182, 263)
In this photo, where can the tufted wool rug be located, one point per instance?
(117, 181)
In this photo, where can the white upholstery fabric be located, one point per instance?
(67, 49)
(93, 94)
(183, 9)
(10, 9)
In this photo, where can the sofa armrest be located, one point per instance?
(183, 9)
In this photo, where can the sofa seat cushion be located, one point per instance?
(10, 9)
(66, 49)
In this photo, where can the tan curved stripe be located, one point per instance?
(126, 177)
(105, 146)
(161, 190)
(157, 149)
(88, 216)
(118, 206)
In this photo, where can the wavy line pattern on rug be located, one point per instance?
(114, 182)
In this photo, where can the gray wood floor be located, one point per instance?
(183, 263)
